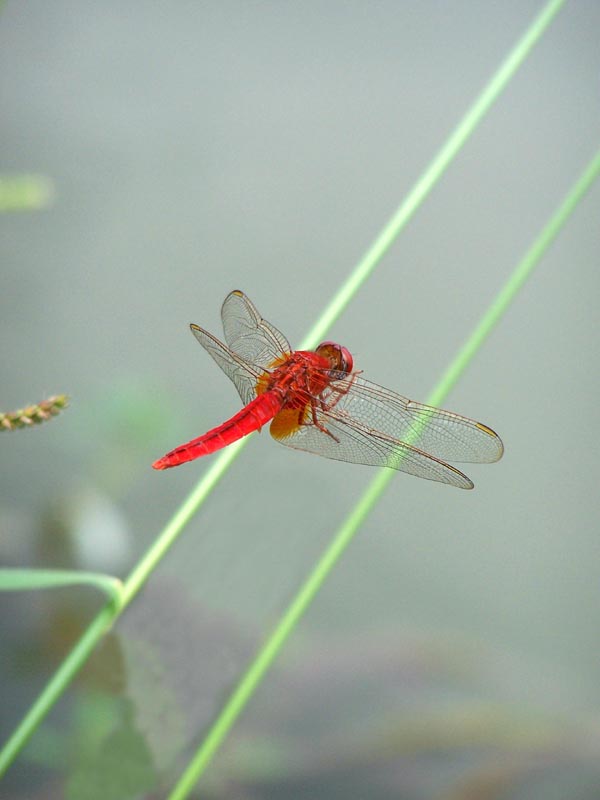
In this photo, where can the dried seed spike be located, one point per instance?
(33, 415)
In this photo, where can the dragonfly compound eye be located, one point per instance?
(339, 357)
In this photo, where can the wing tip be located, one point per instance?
(461, 481)
(497, 440)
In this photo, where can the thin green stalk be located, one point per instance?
(299, 605)
(107, 615)
(54, 689)
(432, 174)
(515, 282)
(21, 580)
(174, 528)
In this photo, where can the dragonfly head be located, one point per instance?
(339, 357)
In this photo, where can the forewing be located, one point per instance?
(249, 335)
(443, 434)
(243, 374)
(360, 445)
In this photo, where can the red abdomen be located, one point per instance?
(252, 417)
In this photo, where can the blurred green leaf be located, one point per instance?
(25, 192)
(122, 769)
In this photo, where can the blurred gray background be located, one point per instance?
(195, 148)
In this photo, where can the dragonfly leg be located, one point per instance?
(317, 424)
(337, 393)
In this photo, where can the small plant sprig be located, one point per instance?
(33, 415)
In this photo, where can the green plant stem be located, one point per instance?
(54, 689)
(19, 580)
(106, 617)
(432, 174)
(299, 605)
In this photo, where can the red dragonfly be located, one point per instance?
(316, 401)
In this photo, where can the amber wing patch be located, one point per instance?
(288, 421)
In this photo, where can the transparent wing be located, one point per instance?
(243, 374)
(249, 335)
(358, 444)
(253, 344)
(443, 434)
(368, 424)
